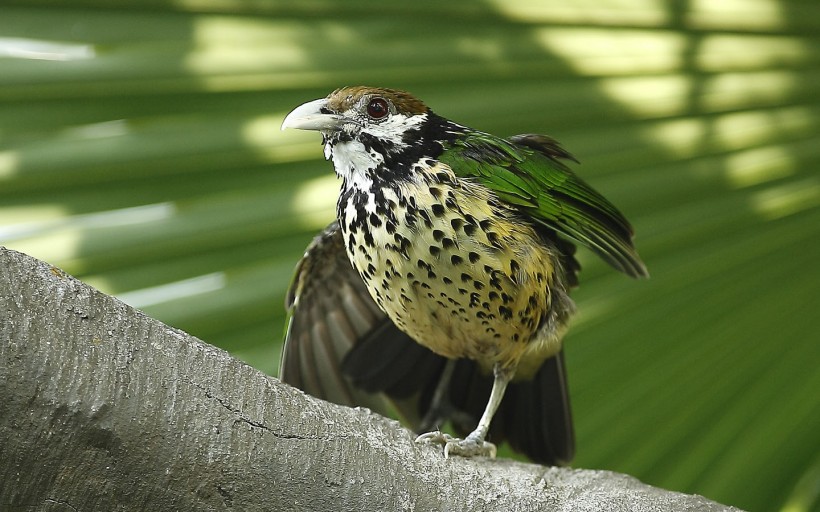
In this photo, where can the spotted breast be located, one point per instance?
(456, 269)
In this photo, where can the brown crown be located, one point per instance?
(344, 98)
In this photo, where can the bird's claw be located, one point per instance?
(468, 447)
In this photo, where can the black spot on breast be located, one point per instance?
(469, 229)
(443, 177)
(438, 209)
(478, 285)
(435, 192)
(438, 235)
(448, 243)
(505, 312)
(493, 238)
(375, 220)
(466, 277)
(456, 223)
(427, 222)
(404, 244)
(473, 257)
(484, 224)
(447, 280)
(455, 259)
(515, 268)
(435, 250)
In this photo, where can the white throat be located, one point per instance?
(354, 163)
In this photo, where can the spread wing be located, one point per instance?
(332, 316)
(529, 173)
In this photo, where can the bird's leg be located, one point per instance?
(474, 443)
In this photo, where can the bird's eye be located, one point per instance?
(377, 108)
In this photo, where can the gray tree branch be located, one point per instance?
(104, 408)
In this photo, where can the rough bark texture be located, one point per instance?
(103, 408)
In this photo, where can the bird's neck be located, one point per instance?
(371, 161)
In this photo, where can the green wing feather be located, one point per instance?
(527, 172)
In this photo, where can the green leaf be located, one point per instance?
(140, 150)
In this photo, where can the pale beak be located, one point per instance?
(309, 116)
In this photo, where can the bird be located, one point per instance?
(443, 283)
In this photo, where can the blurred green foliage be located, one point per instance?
(140, 151)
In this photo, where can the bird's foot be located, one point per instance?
(467, 447)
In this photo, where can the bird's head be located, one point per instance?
(365, 129)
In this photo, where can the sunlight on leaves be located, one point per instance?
(736, 14)
(186, 288)
(315, 201)
(753, 166)
(610, 12)
(788, 199)
(39, 49)
(9, 163)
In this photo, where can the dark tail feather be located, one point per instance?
(537, 415)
